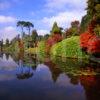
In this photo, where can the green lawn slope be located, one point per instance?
(68, 48)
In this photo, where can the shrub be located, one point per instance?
(68, 48)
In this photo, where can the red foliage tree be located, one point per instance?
(89, 35)
(94, 45)
(52, 40)
(84, 38)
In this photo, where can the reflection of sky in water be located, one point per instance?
(7, 64)
(43, 84)
(7, 68)
(43, 73)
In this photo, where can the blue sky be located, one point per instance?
(42, 13)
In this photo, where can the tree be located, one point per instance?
(97, 13)
(7, 42)
(34, 37)
(40, 37)
(1, 45)
(74, 29)
(84, 22)
(46, 36)
(21, 24)
(93, 11)
(28, 25)
(56, 29)
(75, 24)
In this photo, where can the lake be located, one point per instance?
(32, 77)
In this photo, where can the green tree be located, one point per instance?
(97, 13)
(75, 24)
(74, 29)
(28, 25)
(56, 29)
(7, 42)
(46, 36)
(93, 11)
(21, 24)
(84, 23)
(1, 45)
(34, 35)
(93, 7)
(40, 37)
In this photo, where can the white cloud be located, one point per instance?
(42, 32)
(7, 19)
(8, 32)
(61, 4)
(64, 12)
(63, 18)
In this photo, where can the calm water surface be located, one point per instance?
(33, 78)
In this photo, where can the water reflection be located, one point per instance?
(24, 70)
(86, 74)
(48, 79)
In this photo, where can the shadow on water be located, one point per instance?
(48, 78)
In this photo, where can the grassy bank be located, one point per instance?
(68, 48)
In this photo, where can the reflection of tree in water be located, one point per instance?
(91, 83)
(24, 72)
(54, 69)
(1, 55)
(7, 55)
(85, 73)
(33, 59)
(73, 79)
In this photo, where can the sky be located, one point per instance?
(42, 13)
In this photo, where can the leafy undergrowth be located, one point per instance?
(69, 47)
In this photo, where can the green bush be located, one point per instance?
(68, 48)
(41, 48)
